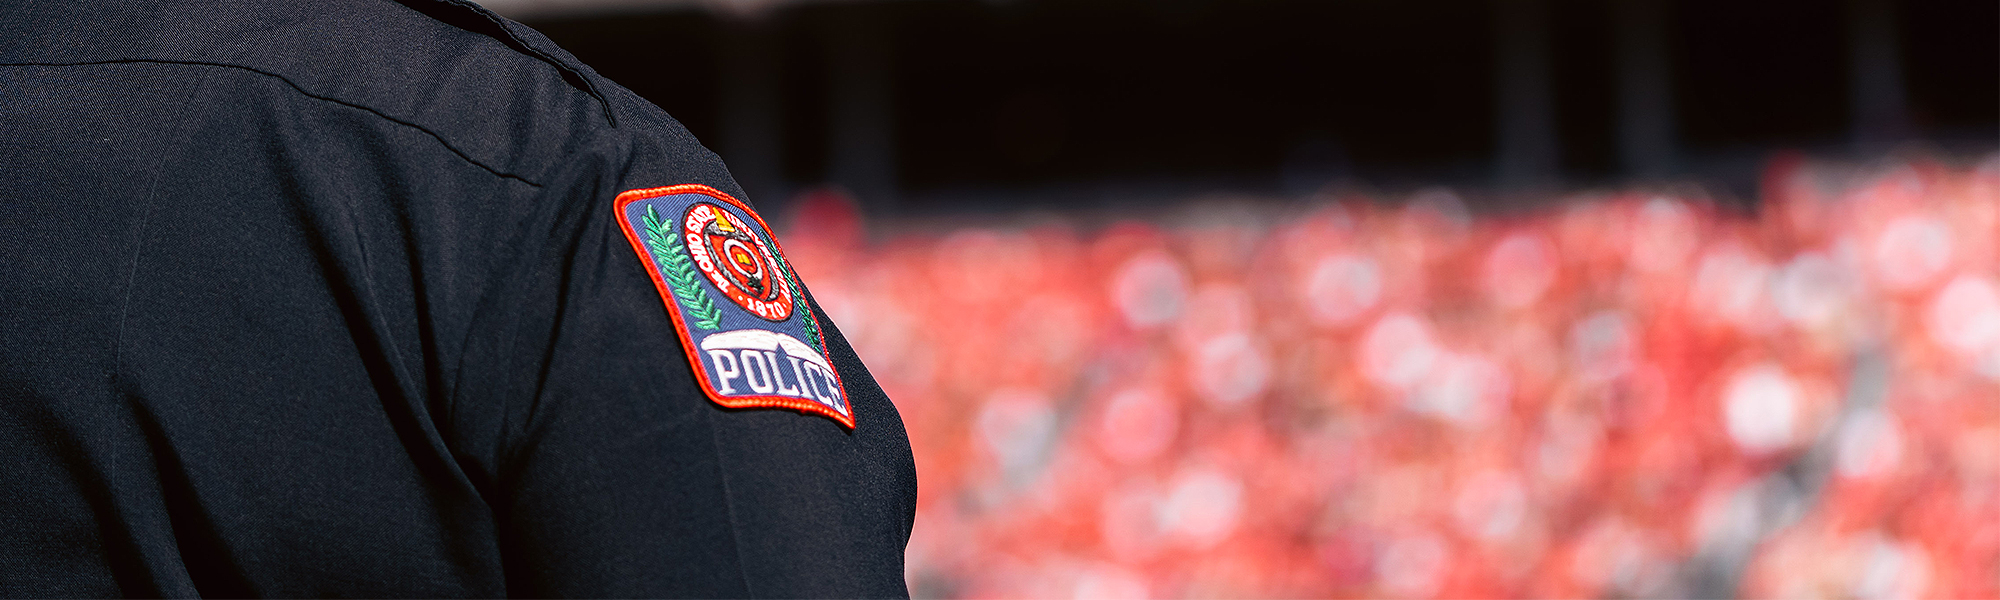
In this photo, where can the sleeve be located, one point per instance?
(613, 473)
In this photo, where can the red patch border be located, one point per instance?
(681, 328)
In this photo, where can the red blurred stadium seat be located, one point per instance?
(1414, 402)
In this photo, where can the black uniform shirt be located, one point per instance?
(329, 299)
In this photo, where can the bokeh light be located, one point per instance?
(1636, 393)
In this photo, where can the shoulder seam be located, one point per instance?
(302, 91)
(508, 37)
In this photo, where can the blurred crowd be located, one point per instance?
(1631, 393)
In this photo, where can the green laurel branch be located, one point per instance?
(678, 270)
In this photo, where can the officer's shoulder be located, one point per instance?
(493, 91)
(496, 90)
(501, 89)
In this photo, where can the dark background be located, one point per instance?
(999, 97)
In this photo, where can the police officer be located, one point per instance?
(395, 298)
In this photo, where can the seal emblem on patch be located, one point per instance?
(736, 304)
(737, 262)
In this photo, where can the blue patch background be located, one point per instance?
(671, 209)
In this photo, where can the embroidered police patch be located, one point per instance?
(735, 302)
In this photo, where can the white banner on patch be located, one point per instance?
(759, 361)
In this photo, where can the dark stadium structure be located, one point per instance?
(922, 104)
